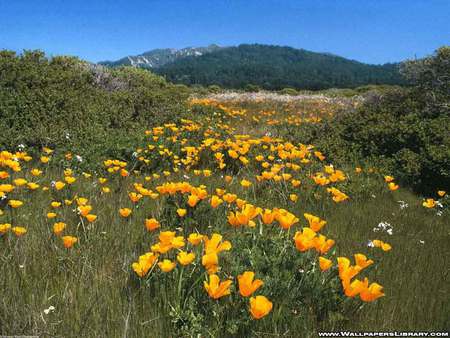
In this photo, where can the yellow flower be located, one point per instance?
(36, 172)
(45, 159)
(59, 185)
(388, 178)
(70, 179)
(81, 201)
(84, 209)
(441, 193)
(246, 183)
(32, 186)
(325, 263)
(247, 286)
(166, 265)
(229, 198)
(124, 173)
(322, 244)
(6, 188)
(285, 218)
(315, 223)
(69, 241)
(429, 203)
(355, 287)
(392, 186)
(260, 306)
(152, 224)
(134, 197)
(195, 239)
(193, 200)
(362, 261)
(58, 228)
(211, 262)
(144, 264)
(181, 212)
(15, 204)
(185, 258)
(51, 215)
(125, 212)
(217, 289)
(373, 292)
(20, 182)
(268, 216)
(91, 218)
(319, 155)
(86, 175)
(338, 196)
(4, 228)
(216, 201)
(380, 244)
(55, 204)
(293, 197)
(304, 240)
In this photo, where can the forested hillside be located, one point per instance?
(274, 67)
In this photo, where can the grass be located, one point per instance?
(95, 293)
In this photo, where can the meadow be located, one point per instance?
(222, 223)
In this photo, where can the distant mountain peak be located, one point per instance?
(156, 58)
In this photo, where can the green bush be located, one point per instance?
(214, 89)
(405, 131)
(67, 103)
(289, 91)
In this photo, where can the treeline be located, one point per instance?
(274, 68)
(70, 104)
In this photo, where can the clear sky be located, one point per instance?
(374, 31)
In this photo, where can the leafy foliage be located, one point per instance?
(405, 130)
(67, 103)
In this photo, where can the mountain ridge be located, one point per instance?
(267, 66)
(160, 56)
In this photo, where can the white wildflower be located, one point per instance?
(403, 204)
(51, 308)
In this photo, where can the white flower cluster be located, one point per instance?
(384, 226)
(51, 308)
(403, 204)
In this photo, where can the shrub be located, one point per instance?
(404, 130)
(214, 89)
(67, 103)
(288, 91)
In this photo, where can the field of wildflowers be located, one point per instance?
(220, 224)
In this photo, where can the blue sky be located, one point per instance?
(376, 31)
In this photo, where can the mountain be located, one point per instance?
(269, 67)
(159, 57)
